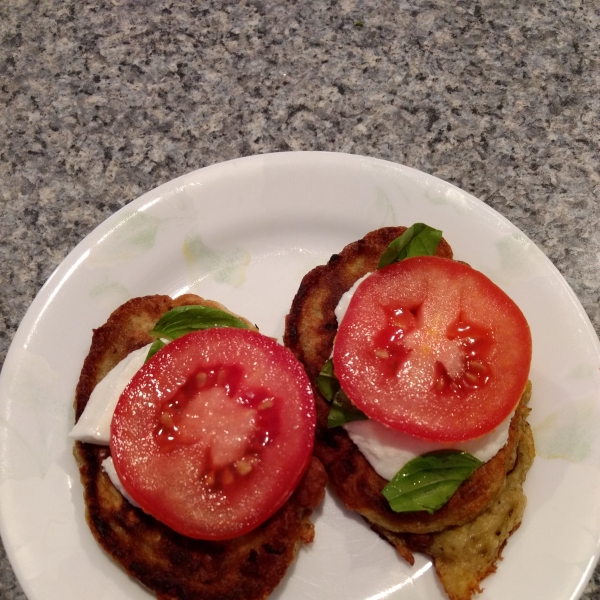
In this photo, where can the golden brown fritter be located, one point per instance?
(464, 555)
(311, 327)
(172, 566)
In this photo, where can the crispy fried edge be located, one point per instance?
(462, 566)
(251, 565)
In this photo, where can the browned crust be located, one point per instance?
(463, 556)
(169, 564)
(310, 330)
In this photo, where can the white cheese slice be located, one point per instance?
(109, 467)
(342, 307)
(93, 426)
(388, 450)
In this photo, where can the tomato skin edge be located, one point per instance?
(290, 474)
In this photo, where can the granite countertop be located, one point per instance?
(104, 101)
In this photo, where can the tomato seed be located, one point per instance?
(381, 353)
(221, 377)
(471, 377)
(166, 419)
(243, 466)
(201, 378)
(210, 478)
(266, 403)
(439, 384)
(402, 317)
(227, 477)
(479, 366)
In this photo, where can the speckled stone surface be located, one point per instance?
(101, 102)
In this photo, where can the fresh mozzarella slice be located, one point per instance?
(109, 468)
(388, 450)
(342, 307)
(93, 426)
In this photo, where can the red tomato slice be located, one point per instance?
(433, 348)
(214, 433)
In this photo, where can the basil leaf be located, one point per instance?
(327, 382)
(156, 346)
(185, 319)
(343, 411)
(428, 481)
(418, 240)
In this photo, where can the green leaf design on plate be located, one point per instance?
(418, 240)
(185, 319)
(428, 481)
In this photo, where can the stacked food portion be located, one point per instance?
(420, 370)
(213, 481)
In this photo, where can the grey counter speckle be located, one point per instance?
(104, 101)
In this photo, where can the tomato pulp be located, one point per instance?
(214, 433)
(433, 348)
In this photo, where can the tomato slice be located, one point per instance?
(214, 433)
(433, 348)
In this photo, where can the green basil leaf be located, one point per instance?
(428, 481)
(418, 240)
(185, 319)
(343, 411)
(327, 382)
(156, 346)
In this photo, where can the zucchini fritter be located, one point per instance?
(448, 534)
(173, 566)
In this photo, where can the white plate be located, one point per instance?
(244, 232)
